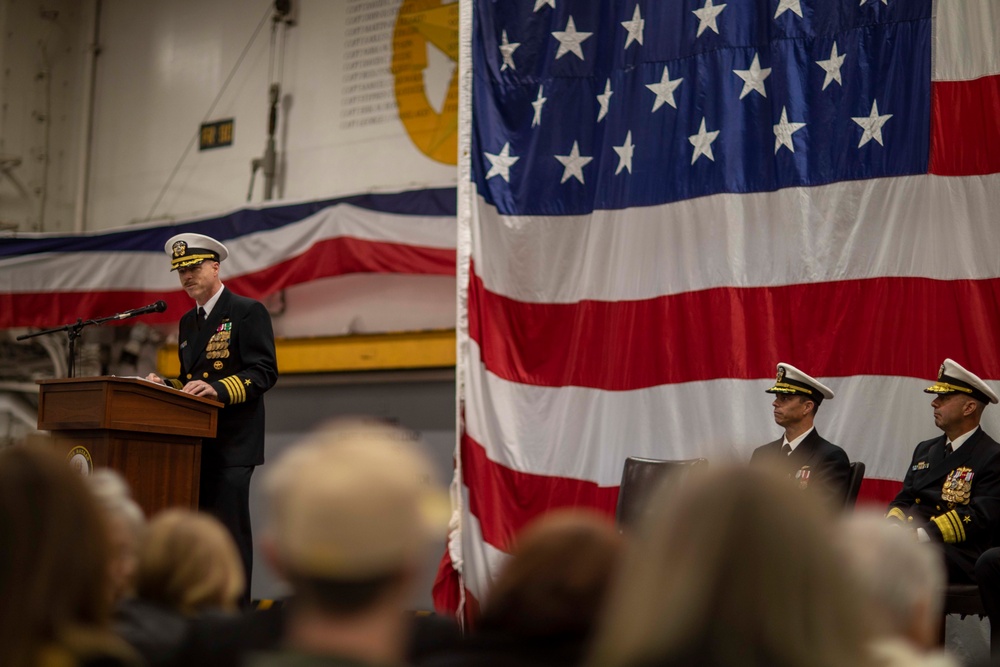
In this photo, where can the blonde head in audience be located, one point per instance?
(557, 578)
(352, 512)
(735, 568)
(54, 556)
(188, 562)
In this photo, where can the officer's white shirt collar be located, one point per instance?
(957, 442)
(210, 304)
(797, 441)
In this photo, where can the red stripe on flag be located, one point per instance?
(342, 256)
(878, 493)
(877, 326)
(965, 133)
(504, 500)
(333, 257)
(446, 594)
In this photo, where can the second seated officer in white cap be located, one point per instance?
(813, 462)
(951, 492)
(226, 350)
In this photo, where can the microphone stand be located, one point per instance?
(73, 332)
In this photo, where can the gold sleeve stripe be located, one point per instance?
(896, 513)
(240, 391)
(176, 384)
(947, 532)
(959, 526)
(239, 395)
(951, 522)
(235, 389)
(229, 388)
(950, 525)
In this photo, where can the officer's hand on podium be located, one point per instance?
(199, 388)
(153, 377)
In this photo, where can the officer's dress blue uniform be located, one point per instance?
(233, 351)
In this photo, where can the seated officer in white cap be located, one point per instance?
(813, 462)
(226, 350)
(951, 492)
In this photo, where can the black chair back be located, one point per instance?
(640, 477)
(854, 484)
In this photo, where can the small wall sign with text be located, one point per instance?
(216, 134)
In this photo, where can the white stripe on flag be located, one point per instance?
(920, 226)
(481, 559)
(115, 270)
(586, 434)
(967, 39)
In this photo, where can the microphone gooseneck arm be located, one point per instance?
(74, 330)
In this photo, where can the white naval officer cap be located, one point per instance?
(953, 378)
(190, 249)
(793, 381)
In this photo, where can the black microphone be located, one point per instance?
(157, 307)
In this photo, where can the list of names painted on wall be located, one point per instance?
(400, 66)
(367, 84)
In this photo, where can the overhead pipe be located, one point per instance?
(87, 116)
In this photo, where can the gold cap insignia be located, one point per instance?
(781, 374)
(180, 249)
(941, 372)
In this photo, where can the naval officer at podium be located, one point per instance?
(226, 349)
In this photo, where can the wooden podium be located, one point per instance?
(149, 433)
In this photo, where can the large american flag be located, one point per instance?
(662, 200)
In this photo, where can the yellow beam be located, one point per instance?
(425, 349)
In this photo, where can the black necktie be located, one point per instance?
(786, 449)
(201, 316)
(948, 448)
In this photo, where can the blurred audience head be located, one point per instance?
(736, 567)
(903, 579)
(352, 511)
(53, 560)
(126, 523)
(557, 578)
(189, 563)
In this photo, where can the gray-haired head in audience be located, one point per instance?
(902, 578)
(126, 524)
